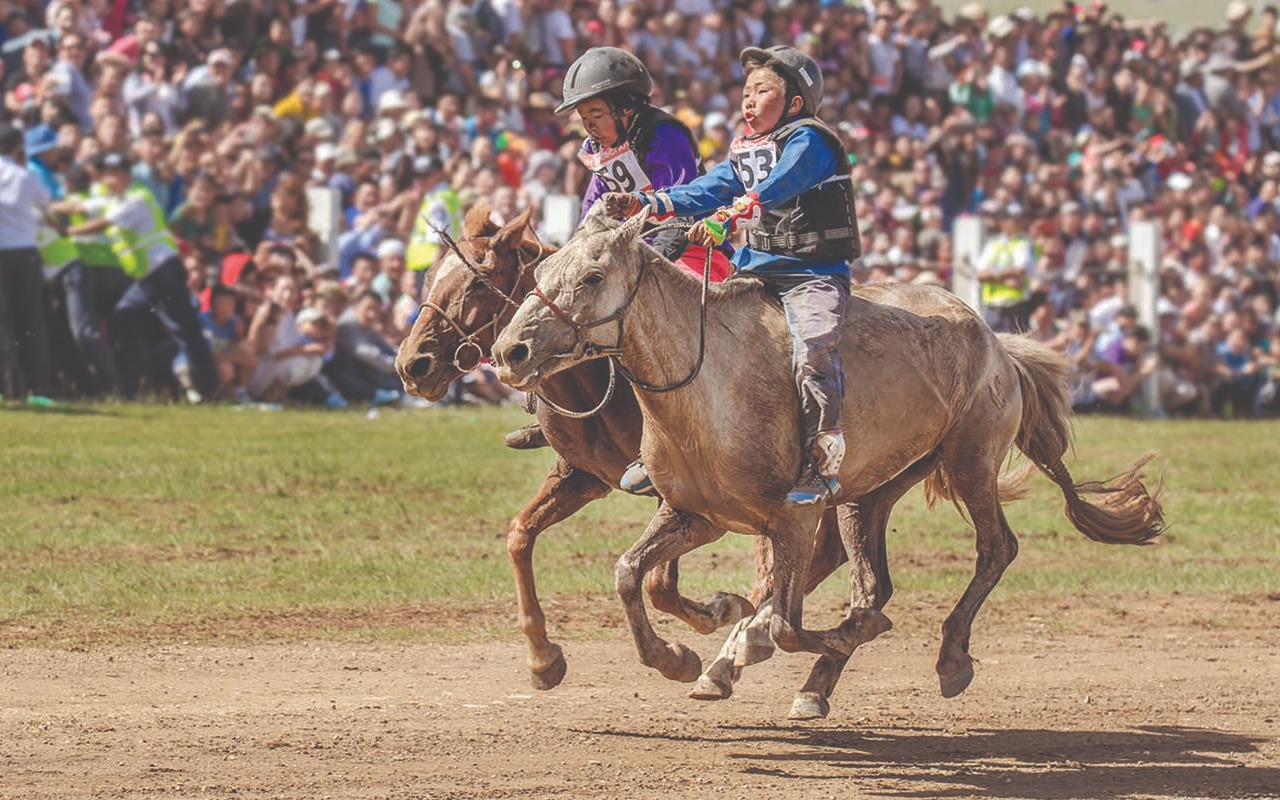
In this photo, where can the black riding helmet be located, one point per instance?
(611, 74)
(802, 72)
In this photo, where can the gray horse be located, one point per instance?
(927, 378)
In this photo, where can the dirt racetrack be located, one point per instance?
(1172, 698)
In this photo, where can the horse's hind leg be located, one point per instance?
(565, 490)
(972, 470)
(670, 534)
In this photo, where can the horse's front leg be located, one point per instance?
(670, 534)
(565, 490)
(724, 608)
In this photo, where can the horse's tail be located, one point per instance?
(1119, 511)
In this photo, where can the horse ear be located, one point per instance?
(477, 222)
(512, 234)
(632, 227)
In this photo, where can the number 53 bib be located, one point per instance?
(753, 159)
(618, 167)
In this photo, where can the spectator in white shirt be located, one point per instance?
(24, 331)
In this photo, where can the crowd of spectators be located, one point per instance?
(1057, 125)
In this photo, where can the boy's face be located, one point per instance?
(224, 305)
(597, 118)
(764, 100)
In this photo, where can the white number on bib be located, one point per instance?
(618, 167)
(753, 160)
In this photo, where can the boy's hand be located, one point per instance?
(700, 234)
(621, 205)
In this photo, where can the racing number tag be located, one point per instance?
(618, 167)
(753, 160)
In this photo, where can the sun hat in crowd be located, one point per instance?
(221, 56)
(1179, 182)
(318, 128)
(385, 129)
(326, 152)
(390, 101)
(389, 248)
(1000, 27)
(1238, 11)
(1271, 159)
(1024, 14)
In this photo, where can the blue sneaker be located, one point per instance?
(635, 479)
(335, 402)
(385, 397)
(812, 488)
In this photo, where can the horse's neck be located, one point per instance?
(663, 332)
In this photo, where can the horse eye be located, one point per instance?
(594, 279)
(476, 285)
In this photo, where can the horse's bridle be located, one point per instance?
(471, 341)
(583, 348)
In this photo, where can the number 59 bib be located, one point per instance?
(753, 159)
(618, 167)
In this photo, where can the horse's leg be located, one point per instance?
(863, 524)
(972, 460)
(670, 534)
(791, 534)
(565, 490)
(722, 609)
(749, 642)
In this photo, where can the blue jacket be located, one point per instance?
(806, 160)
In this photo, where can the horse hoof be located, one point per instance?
(550, 677)
(871, 622)
(689, 668)
(756, 646)
(731, 608)
(956, 682)
(809, 705)
(708, 688)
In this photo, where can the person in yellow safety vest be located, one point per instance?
(90, 276)
(149, 255)
(1005, 269)
(440, 210)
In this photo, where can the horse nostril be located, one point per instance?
(419, 367)
(518, 355)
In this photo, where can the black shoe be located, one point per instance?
(530, 437)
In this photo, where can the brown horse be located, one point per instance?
(930, 380)
(456, 328)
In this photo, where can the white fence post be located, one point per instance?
(1144, 293)
(324, 210)
(968, 235)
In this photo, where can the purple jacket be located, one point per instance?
(669, 161)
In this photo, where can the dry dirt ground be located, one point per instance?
(1173, 698)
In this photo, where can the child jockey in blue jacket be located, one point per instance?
(786, 184)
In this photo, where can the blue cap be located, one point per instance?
(39, 139)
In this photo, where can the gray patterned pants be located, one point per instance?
(815, 305)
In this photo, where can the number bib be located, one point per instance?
(618, 167)
(753, 159)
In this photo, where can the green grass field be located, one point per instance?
(182, 523)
